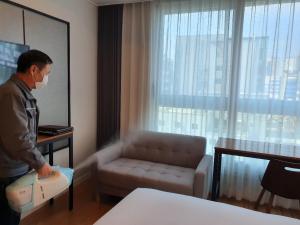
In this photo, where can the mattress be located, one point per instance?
(153, 207)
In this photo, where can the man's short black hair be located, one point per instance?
(32, 57)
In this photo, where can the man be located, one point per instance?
(18, 126)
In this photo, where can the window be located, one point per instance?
(216, 77)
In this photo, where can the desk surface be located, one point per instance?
(43, 139)
(255, 149)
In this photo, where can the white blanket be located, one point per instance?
(153, 207)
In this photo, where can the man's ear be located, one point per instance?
(32, 69)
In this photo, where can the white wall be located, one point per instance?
(82, 16)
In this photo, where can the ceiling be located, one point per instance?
(112, 2)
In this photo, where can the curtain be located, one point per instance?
(109, 73)
(135, 67)
(226, 68)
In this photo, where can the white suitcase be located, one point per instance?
(29, 191)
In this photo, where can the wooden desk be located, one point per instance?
(49, 140)
(253, 149)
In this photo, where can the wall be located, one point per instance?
(82, 16)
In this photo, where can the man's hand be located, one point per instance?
(45, 171)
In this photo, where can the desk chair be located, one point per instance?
(280, 178)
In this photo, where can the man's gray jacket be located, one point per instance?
(18, 129)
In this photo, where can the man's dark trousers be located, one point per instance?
(7, 215)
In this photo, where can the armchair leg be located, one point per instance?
(270, 203)
(259, 198)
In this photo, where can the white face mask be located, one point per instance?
(42, 83)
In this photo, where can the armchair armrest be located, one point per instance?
(101, 158)
(108, 154)
(203, 176)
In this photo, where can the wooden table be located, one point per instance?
(44, 140)
(253, 149)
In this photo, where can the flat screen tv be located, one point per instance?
(9, 54)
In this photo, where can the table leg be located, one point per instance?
(219, 176)
(216, 177)
(71, 166)
(51, 164)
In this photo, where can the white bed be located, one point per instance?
(153, 207)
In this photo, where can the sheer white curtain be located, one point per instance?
(227, 68)
(135, 67)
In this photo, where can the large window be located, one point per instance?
(269, 88)
(227, 68)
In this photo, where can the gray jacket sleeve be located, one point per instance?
(15, 137)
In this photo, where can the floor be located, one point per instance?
(87, 210)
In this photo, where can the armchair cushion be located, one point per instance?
(171, 149)
(130, 174)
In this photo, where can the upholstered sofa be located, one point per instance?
(169, 162)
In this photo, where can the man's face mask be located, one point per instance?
(41, 73)
(41, 84)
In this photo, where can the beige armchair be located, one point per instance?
(169, 162)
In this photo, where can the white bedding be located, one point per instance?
(153, 207)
